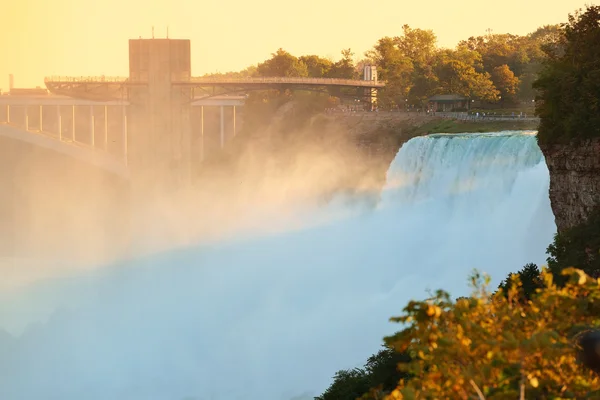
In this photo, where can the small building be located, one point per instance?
(448, 102)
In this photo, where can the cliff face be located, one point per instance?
(574, 180)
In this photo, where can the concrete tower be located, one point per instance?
(159, 130)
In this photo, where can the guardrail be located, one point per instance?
(215, 80)
(282, 80)
(85, 79)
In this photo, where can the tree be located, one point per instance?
(317, 67)
(282, 64)
(569, 83)
(347, 384)
(506, 82)
(344, 68)
(418, 45)
(394, 68)
(378, 377)
(529, 278)
(457, 71)
(577, 247)
(497, 346)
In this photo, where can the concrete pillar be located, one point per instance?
(59, 122)
(73, 121)
(222, 128)
(8, 114)
(26, 120)
(9, 182)
(92, 127)
(41, 119)
(105, 128)
(124, 135)
(201, 133)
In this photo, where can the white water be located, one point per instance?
(275, 317)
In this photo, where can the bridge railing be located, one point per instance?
(284, 80)
(85, 79)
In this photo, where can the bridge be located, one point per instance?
(115, 88)
(79, 160)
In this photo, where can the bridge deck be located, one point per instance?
(73, 149)
(55, 81)
(56, 100)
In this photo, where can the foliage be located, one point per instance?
(529, 279)
(497, 346)
(282, 64)
(457, 71)
(505, 81)
(379, 376)
(577, 247)
(569, 83)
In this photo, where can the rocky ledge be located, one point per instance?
(574, 180)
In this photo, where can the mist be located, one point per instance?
(264, 290)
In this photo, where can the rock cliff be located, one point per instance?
(574, 180)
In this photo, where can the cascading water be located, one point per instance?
(275, 317)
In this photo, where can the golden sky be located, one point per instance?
(89, 37)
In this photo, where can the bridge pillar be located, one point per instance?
(159, 131)
(222, 132)
(201, 133)
(234, 132)
(73, 123)
(92, 127)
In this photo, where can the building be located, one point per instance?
(448, 102)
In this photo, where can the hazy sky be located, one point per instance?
(89, 37)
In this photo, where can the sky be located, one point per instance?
(41, 38)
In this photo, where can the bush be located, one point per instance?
(497, 346)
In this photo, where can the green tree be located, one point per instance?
(418, 45)
(282, 64)
(529, 278)
(569, 83)
(577, 247)
(344, 68)
(395, 69)
(347, 385)
(378, 377)
(317, 67)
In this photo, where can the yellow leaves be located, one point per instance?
(495, 342)
(534, 382)
(433, 311)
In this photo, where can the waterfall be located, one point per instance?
(275, 317)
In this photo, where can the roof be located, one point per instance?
(447, 97)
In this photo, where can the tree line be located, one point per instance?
(497, 68)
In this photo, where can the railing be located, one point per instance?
(282, 80)
(487, 117)
(215, 80)
(85, 79)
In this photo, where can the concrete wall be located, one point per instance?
(57, 206)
